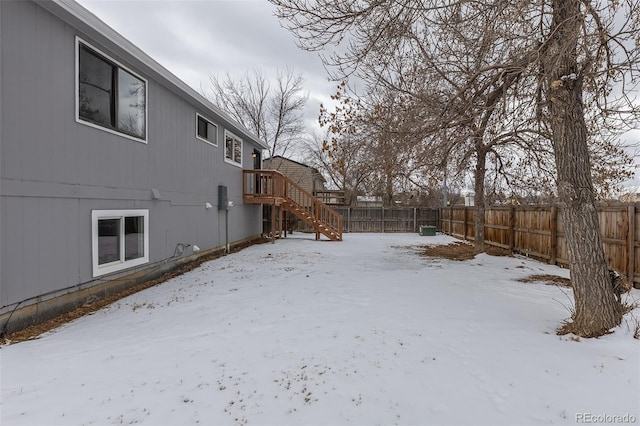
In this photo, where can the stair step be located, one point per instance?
(307, 216)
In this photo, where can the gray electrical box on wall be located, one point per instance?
(223, 200)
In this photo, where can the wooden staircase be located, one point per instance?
(273, 188)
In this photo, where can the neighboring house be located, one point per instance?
(332, 197)
(309, 178)
(369, 201)
(111, 168)
(631, 194)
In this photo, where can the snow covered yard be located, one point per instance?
(365, 331)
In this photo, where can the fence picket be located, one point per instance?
(537, 231)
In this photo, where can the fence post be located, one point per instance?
(631, 243)
(512, 228)
(466, 226)
(383, 227)
(553, 251)
(448, 221)
(415, 221)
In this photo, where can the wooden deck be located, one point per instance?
(273, 188)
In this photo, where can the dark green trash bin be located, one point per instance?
(427, 231)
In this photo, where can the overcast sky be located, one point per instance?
(196, 38)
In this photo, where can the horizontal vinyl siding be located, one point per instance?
(54, 171)
(296, 172)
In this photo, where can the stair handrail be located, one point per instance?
(272, 183)
(323, 214)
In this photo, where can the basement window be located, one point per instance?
(232, 149)
(120, 240)
(109, 97)
(206, 131)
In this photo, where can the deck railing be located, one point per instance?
(267, 186)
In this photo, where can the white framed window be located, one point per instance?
(120, 240)
(109, 96)
(206, 131)
(232, 149)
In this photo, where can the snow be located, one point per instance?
(364, 331)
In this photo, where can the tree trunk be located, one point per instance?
(388, 191)
(596, 307)
(478, 222)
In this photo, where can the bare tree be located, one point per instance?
(344, 151)
(272, 110)
(479, 59)
(569, 58)
(342, 160)
(436, 56)
(375, 135)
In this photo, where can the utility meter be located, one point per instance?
(223, 200)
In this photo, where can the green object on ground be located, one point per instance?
(427, 231)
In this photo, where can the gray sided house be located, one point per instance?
(112, 170)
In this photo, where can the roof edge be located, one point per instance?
(65, 9)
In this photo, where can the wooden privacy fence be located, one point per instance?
(385, 219)
(537, 231)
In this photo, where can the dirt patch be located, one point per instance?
(455, 251)
(547, 279)
(34, 331)
(498, 251)
(461, 251)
